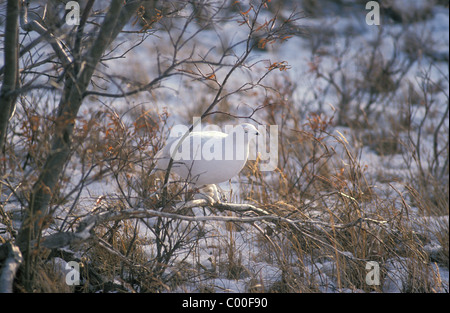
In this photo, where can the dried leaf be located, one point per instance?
(246, 12)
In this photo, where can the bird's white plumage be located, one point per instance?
(208, 157)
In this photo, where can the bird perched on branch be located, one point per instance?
(206, 158)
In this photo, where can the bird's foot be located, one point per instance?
(210, 193)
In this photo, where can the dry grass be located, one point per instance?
(319, 178)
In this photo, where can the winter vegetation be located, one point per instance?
(358, 200)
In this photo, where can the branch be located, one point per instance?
(279, 33)
(167, 73)
(45, 33)
(80, 30)
(85, 227)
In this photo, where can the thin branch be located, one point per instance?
(56, 43)
(83, 232)
(218, 96)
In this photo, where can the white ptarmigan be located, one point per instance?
(208, 157)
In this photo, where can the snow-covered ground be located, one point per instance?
(237, 258)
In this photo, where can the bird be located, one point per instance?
(206, 158)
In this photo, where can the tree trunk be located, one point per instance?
(10, 80)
